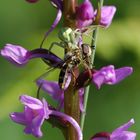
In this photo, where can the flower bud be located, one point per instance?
(85, 11)
(32, 1)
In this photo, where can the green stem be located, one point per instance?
(86, 95)
(71, 96)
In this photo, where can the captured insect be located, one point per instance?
(75, 54)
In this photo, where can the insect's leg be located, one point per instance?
(89, 36)
(46, 73)
(61, 44)
(38, 91)
(63, 76)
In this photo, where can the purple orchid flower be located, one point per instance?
(86, 15)
(120, 133)
(53, 89)
(110, 75)
(35, 112)
(20, 56)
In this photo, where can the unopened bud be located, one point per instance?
(32, 1)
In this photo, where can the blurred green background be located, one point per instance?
(25, 24)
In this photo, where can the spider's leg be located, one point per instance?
(61, 44)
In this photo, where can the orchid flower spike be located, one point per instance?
(120, 133)
(35, 112)
(109, 75)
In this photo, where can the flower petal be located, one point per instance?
(85, 11)
(81, 95)
(124, 127)
(31, 102)
(125, 135)
(18, 118)
(122, 73)
(36, 125)
(15, 54)
(46, 110)
(52, 88)
(84, 14)
(105, 75)
(107, 14)
(121, 133)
